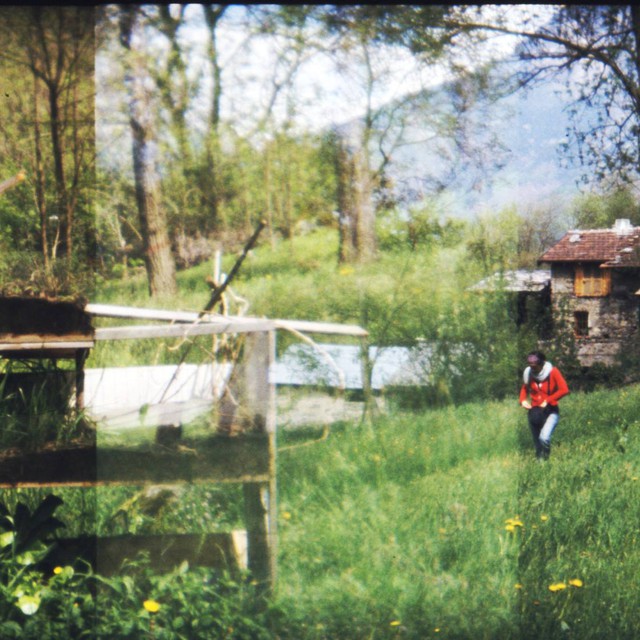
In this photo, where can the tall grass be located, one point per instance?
(437, 524)
(443, 525)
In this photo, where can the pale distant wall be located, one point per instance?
(137, 386)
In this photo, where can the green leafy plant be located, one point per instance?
(24, 540)
(35, 406)
(25, 534)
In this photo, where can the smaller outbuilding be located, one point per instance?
(531, 291)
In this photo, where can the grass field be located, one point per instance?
(443, 525)
(437, 523)
(434, 524)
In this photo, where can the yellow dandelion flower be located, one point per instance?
(286, 515)
(514, 522)
(395, 623)
(557, 586)
(151, 606)
(510, 528)
(576, 582)
(57, 570)
(517, 585)
(544, 518)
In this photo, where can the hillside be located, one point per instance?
(442, 524)
(509, 152)
(529, 127)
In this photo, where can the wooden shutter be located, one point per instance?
(592, 281)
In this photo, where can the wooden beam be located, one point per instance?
(136, 313)
(305, 326)
(330, 328)
(222, 550)
(180, 330)
(80, 357)
(217, 459)
(45, 345)
(256, 396)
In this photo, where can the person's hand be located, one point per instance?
(526, 404)
(544, 404)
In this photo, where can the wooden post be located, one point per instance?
(257, 398)
(367, 370)
(81, 356)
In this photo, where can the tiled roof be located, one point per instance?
(609, 247)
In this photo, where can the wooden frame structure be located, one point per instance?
(248, 459)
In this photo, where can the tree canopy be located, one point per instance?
(297, 114)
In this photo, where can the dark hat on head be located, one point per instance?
(535, 358)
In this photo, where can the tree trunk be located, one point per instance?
(41, 202)
(364, 210)
(355, 206)
(159, 261)
(346, 247)
(213, 14)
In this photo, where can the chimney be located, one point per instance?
(622, 226)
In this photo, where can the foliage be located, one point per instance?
(24, 541)
(24, 531)
(426, 525)
(24, 273)
(35, 407)
(48, 130)
(492, 242)
(452, 525)
(185, 604)
(600, 211)
(595, 50)
(417, 228)
(193, 509)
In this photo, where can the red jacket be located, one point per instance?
(551, 389)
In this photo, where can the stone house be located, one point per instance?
(595, 288)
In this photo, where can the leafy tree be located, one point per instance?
(492, 242)
(48, 127)
(366, 41)
(595, 49)
(158, 258)
(600, 211)
(418, 228)
(538, 230)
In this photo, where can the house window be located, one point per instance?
(591, 280)
(581, 324)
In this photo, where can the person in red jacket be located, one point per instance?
(543, 385)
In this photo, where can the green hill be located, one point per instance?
(439, 523)
(442, 525)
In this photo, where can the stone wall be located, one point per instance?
(613, 319)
